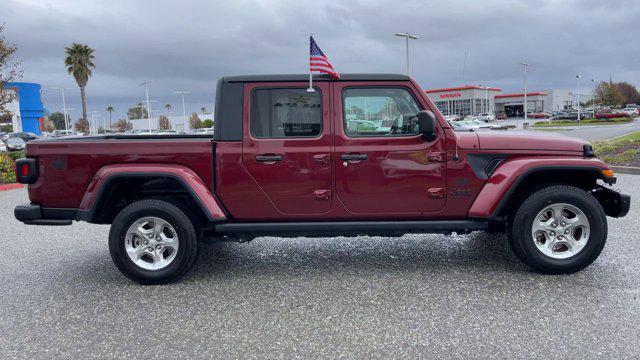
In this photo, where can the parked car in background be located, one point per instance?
(15, 143)
(632, 111)
(205, 131)
(486, 117)
(452, 117)
(476, 124)
(25, 135)
(60, 133)
(458, 127)
(571, 115)
(502, 116)
(3, 146)
(540, 115)
(611, 114)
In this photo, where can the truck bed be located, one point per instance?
(72, 162)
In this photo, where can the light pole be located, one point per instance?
(64, 105)
(594, 96)
(92, 126)
(578, 94)
(146, 90)
(184, 111)
(525, 65)
(486, 94)
(406, 37)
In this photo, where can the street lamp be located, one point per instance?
(64, 105)
(578, 94)
(184, 111)
(146, 90)
(525, 65)
(594, 96)
(406, 37)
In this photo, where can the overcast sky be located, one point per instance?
(187, 45)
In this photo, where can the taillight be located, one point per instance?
(27, 171)
(24, 170)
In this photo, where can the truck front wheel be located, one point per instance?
(153, 242)
(558, 229)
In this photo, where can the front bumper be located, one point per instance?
(32, 214)
(614, 204)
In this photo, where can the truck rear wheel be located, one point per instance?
(559, 229)
(153, 242)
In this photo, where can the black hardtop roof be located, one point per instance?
(305, 77)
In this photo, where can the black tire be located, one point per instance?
(188, 243)
(521, 240)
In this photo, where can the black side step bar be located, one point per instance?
(352, 227)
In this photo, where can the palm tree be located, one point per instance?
(110, 109)
(168, 107)
(79, 62)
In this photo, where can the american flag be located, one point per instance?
(318, 61)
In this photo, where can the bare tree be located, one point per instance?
(9, 70)
(82, 126)
(195, 122)
(608, 94)
(628, 92)
(123, 125)
(163, 123)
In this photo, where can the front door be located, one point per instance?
(287, 145)
(382, 164)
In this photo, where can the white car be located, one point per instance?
(477, 124)
(631, 111)
(204, 131)
(486, 117)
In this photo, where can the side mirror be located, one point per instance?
(426, 125)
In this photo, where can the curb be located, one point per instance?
(4, 187)
(626, 170)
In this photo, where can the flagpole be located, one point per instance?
(310, 89)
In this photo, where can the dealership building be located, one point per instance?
(26, 111)
(464, 100)
(476, 99)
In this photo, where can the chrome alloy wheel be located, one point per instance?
(151, 243)
(560, 231)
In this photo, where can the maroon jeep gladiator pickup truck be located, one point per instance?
(363, 155)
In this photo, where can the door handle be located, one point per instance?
(268, 158)
(321, 158)
(352, 157)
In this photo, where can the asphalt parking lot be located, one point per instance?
(417, 296)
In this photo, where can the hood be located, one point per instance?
(528, 140)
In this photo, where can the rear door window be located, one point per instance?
(285, 113)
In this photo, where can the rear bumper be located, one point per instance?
(32, 214)
(614, 204)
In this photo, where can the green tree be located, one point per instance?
(137, 112)
(110, 109)
(207, 123)
(163, 123)
(195, 122)
(57, 118)
(79, 63)
(9, 70)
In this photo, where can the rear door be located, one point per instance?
(287, 145)
(382, 165)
